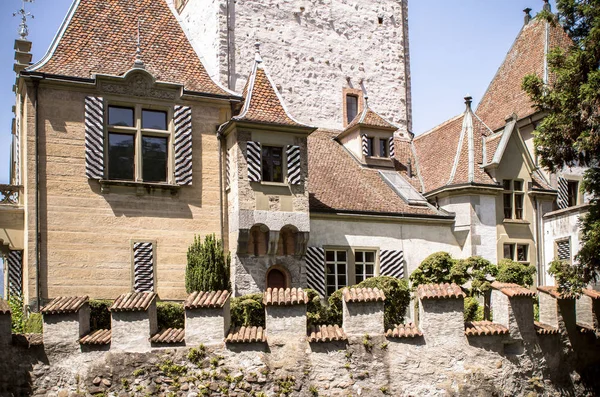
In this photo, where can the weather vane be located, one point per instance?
(23, 30)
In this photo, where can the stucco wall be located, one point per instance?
(207, 325)
(131, 331)
(362, 317)
(86, 235)
(351, 44)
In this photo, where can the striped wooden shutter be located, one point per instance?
(253, 159)
(315, 269)
(563, 250)
(563, 193)
(15, 272)
(365, 144)
(143, 267)
(392, 147)
(391, 263)
(94, 137)
(227, 170)
(293, 164)
(183, 145)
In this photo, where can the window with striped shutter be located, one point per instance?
(392, 150)
(254, 161)
(293, 164)
(315, 269)
(563, 250)
(563, 193)
(391, 263)
(94, 137)
(15, 272)
(143, 267)
(365, 145)
(183, 145)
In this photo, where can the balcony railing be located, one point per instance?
(10, 194)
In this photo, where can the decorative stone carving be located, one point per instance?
(140, 84)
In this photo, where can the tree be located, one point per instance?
(510, 271)
(207, 266)
(570, 133)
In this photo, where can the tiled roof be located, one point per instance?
(262, 102)
(439, 291)
(504, 95)
(585, 328)
(512, 290)
(591, 293)
(169, 336)
(404, 331)
(285, 297)
(101, 38)
(326, 333)
(544, 329)
(4, 307)
(247, 335)
(133, 301)
(539, 182)
(28, 340)
(491, 145)
(339, 183)
(98, 337)
(443, 153)
(368, 118)
(484, 328)
(64, 304)
(553, 292)
(212, 299)
(353, 295)
(405, 154)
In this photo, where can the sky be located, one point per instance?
(456, 48)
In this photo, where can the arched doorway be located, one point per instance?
(277, 278)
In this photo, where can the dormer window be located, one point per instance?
(370, 146)
(272, 163)
(384, 147)
(351, 107)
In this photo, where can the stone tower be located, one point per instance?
(265, 151)
(324, 54)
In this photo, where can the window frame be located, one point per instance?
(514, 196)
(572, 200)
(563, 240)
(347, 103)
(364, 263)
(335, 263)
(351, 261)
(283, 164)
(138, 133)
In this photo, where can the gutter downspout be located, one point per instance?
(38, 283)
(221, 202)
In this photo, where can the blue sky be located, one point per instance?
(456, 48)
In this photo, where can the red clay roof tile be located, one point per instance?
(98, 337)
(101, 39)
(544, 329)
(212, 299)
(133, 301)
(246, 335)
(404, 331)
(169, 336)
(585, 328)
(326, 333)
(591, 293)
(512, 290)
(368, 118)
(354, 295)
(484, 328)
(553, 292)
(28, 340)
(439, 291)
(65, 304)
(285, 297)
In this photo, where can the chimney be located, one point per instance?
(547, 6)
(527, 12)
(468, 101)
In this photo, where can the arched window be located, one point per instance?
(278, 277)
(287, 240)
(258, 242)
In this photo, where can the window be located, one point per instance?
(509, 251)
(521, 250)
(336, 270)
(138, 144)
(272, 164)
(370, 146)
(573, 192)
(563, 250)
(351, 107)
(384, 149)
(364, 265)
(513, 197)
(522, 253)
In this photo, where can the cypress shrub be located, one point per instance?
(207, 266)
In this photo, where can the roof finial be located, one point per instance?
(138, 63)
(468, 101)
(547, 6)
(527, 12)
(257, 56)
(23, 29)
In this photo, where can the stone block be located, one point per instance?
(131, 330)
(548, 310)
(5, 329)
(207, 325)
(286, 322)
(442, 321)
(63, 330)
(515, 313)
(363, 317)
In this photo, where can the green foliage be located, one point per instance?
(568, 135)
(248, 310)
(170, 315)
(397, 299)
(473, 310)
(17, 313)
(569, 278)
(510, 271)
(536, 309)
(197, 355)
(207, 266)
(316, 312)
(171, 369)
(99, 314)
(33, 324)
(435, 269)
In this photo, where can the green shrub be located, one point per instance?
(477, 270)
(33, 324)
(473, 310)
(17, 313)
(207, 266)
(510, 271)
(536, 309)
(170, 315)
(99, 314)
(248, 310)
(397, 299)
(569, 278)
(316, 312)
(435, 269)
